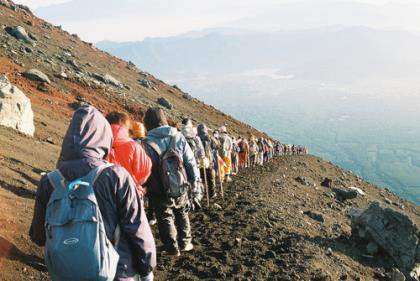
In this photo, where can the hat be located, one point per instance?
(154, 117)
(138, 130)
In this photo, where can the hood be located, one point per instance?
(162, 132)
(189, 131)
(203, 132)
(120, 134)
(89, 136)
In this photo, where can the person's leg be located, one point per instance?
(166, 225)
(211, 181)
(182, 222)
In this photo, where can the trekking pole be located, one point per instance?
(221, 186)
(206, 186)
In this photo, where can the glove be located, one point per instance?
(148, 277)
(196, 195)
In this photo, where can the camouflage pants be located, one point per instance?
(173, 221)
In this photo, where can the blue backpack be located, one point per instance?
(77, 247)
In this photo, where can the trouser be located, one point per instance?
(252, 159)
(243, 157)
(173, 221)
(260, 158)
(235, 163)
(228, 163)
(211, 180)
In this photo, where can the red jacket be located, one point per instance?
(129, 154)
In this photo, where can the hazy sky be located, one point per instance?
(130, 20)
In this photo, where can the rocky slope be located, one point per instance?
(262, 231)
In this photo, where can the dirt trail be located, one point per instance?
(262, 233)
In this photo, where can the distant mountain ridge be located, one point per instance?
(336, 85)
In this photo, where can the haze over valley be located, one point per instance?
(340, 77)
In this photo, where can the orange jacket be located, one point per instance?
(128, 153)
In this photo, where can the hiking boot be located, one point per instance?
(189, 247)
(171, 252)
(228, 179)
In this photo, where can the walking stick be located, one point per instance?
(206, 185)
(221, 185)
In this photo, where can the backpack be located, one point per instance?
(252, 148)
(77, 247)
(242, 146)
(172, 171)
(193, 145)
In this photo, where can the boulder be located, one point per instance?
(164, 102)
(327, 182)
(15, 108)
(343, 195)
(302, 180)
(108, 79)
(19, 33)
(393, 232)
(315, 216)
(146, 83)
(36, 75)
(187, 96)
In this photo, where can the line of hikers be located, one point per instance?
(90, 214)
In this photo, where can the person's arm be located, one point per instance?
(37, 229)
(189, 161)
(142, 165)
(133, 223)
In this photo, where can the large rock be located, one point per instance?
(393, 232)
(164, 102)
(19, 33)
(15, 108)
(36, 75)
(108, 79)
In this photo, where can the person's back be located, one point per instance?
(127, 152)
(194, 141)
(86, 144)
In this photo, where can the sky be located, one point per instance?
(133, 20)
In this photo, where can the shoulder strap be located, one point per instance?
(56, 179)
(154, 146)
(174, 139)
(93, 174)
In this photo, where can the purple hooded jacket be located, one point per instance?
(87, 142)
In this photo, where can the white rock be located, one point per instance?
(358, 190)
(15, 108)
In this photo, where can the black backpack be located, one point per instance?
(172, 171)
(242, 146)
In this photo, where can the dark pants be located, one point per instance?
(173, 221)
(211, 180)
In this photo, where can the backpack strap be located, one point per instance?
(154, 146)
(56, 179)
(174, 139)
(91, 176)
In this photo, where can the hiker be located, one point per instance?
(253, 149)
(207, 164)
(86, 144)
(169, 195)
(194, 141)
(126, 152)
(260, 153)
(235, 157)
(243, 152)
(226, 151)
(138, 133)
